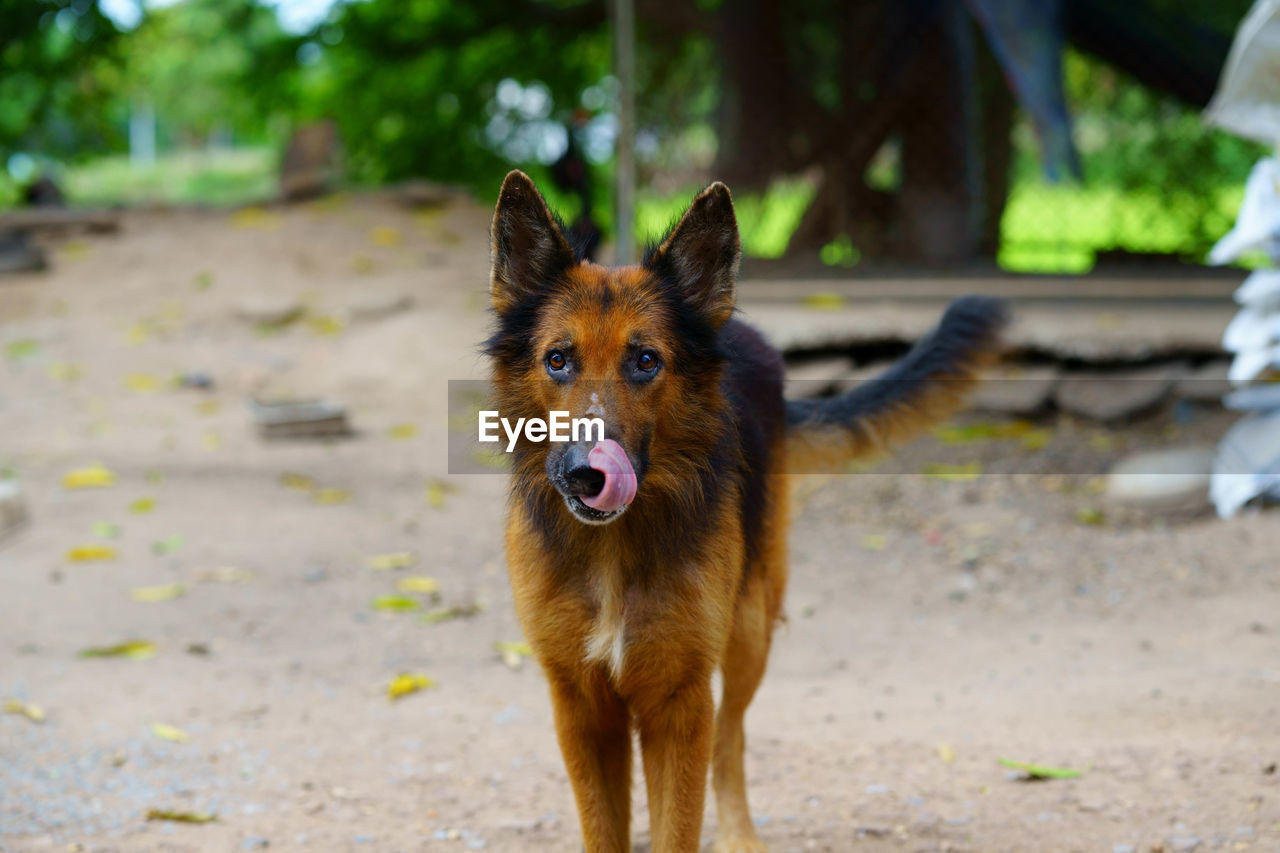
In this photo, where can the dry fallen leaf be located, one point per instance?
(825, 301)
(65, 372)
(329, 497)
(326, 324)
(224, 574)
(403, 431)
(418, 584)
(395, 602)
(106, 530)
(143, 383)
(91, 553)
(1091, 516)
(163, 592)
(437, 490)
(167, 545)
(945, 752)
(954, 473)
(173, 734)
(134, 649)
(298, 482)
(181, 817)
(1040, 771)
(453, 611)
(89, 477)
(142, 506)
(34, 713)
(255, 218)
(396, 560)
(408, 682)
(513, 653)
(384, 236)
(875, 542)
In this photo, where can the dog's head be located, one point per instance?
(635, 347)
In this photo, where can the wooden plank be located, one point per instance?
(29, 218)
(1213, 287)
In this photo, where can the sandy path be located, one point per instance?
(928, 620)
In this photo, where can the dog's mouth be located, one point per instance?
(599, 486)
(587, 515)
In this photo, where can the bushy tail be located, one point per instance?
(928, 385)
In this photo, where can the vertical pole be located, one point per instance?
(624, 68)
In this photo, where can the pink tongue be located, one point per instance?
(610, 459)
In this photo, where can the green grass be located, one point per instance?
(227, 177)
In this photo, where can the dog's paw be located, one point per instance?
(739, 845)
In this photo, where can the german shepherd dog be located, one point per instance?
(646, 559)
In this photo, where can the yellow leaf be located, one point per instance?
(208, 407)
(212, 441)
(164, 592)
(255, 218)
(408, 682)
(173, 734)
(1037, 439)
(362, 265)
(513, 653)
(64, 372)
(21, 348)
(135, 649)
(384, 236)
(453, 611)
(84, 478)
(397, 560)
(395, 602)
(1101, 442)
(75, 250)
(418, 584)
(143, 383)
(825, 301)
(225, 574)
(1091, 516)
(403, 431)
(326, 324)
(954, 473)
(138, 334)
(328, 497)
(90, 553)
(34, 713)
(106, 530)
(299, 482)
(142, 506)
(181, 817)
(436, 491)
(875, 542)
(945, 752)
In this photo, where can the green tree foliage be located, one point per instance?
(56, 77)
(211, 65)
(414, 83)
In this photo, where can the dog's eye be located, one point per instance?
(556, 360)
(647, 361)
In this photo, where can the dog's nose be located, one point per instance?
(582, 480)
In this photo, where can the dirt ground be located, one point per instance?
(935, 626)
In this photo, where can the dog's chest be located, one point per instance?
(606, 641)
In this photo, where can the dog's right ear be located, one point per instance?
(527, 247)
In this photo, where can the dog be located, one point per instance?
(644, 560)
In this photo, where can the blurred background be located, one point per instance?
(1036, 136)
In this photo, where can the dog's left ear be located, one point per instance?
(700, 254)
(528, 249)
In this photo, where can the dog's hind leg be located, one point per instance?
(743, 668)
(593, 727)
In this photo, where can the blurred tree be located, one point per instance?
(55, 78)
(211, 68)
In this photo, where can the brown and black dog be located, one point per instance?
(644, 561)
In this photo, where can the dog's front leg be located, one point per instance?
(594, 731)
(675, 739)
